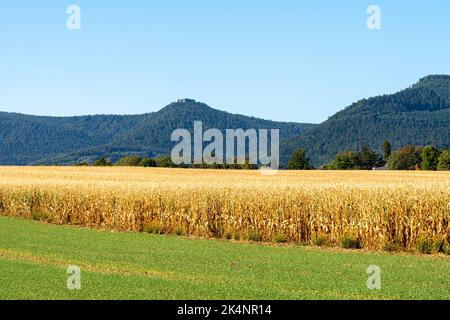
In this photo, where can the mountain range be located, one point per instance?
(36, 140)
(418, 115)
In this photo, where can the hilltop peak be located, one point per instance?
(186, 101)
(440, 84)
(185, 105)
(439, 77)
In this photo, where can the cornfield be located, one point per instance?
(377, 209)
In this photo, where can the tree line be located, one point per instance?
(409, 157)
(163, 162)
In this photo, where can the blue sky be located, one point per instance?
(283, 60)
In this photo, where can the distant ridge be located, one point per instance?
(418, 115)
(26, 140)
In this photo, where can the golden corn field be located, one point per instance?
(376, 209)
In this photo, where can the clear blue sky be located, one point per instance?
(283, 60)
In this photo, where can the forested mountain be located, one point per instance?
(419, 115)
(24, 138)
(155, 129)
(63, 140)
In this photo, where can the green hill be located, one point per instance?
(418, 115)
(24, 138)
(64, 140)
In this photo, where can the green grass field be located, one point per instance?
(34, 258)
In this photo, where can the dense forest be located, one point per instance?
(418, 115)
(67, 140)
(24, 139)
